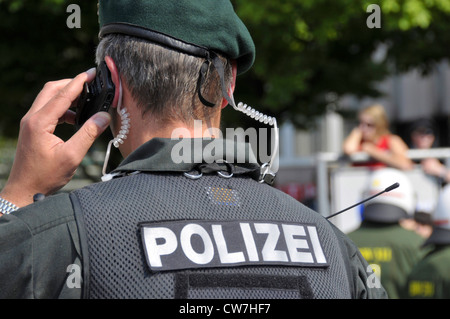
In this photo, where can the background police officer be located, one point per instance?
(430, 276)
(380, 238)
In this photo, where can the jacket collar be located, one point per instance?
(185, 155)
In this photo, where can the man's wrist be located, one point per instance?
(19, 196)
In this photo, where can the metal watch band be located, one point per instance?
(7, 207)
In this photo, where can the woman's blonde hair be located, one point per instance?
(379, 116)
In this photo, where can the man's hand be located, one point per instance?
(44, 163)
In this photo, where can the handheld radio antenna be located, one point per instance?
(387, 189)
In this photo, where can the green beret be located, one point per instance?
(191, 26)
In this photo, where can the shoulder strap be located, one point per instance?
(83, 243)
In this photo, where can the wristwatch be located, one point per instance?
(7, 207)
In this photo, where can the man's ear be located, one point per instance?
(233, 82)
(115, 78)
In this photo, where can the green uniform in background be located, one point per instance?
(394, 249)
(430, 278)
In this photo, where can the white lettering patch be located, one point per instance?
(203, 244)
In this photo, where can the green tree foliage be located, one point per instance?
(311, 52)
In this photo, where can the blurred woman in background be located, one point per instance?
(373, 137)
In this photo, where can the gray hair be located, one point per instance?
(163, 82)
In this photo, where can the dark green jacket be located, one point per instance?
(430, 277)
(392, 248)
(40, 253)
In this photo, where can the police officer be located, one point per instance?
(179, 217)
(430, 276)
(384, 243)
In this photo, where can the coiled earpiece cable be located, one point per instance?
(268, 170)
(124, 130)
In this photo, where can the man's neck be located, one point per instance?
(143, 131)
